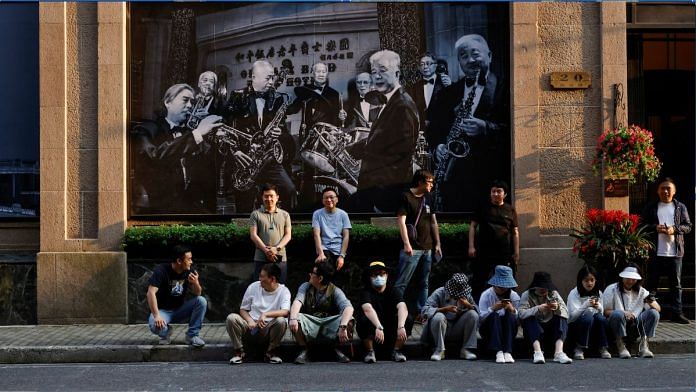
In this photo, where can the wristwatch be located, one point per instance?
(279, 249)
(342, 255)
(381, 328)
(342, 326)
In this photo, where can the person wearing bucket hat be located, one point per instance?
(631, 310)
(383, 323)
(498, 318)
(586, 320)
(544, 317)
(451, 315)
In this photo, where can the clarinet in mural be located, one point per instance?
(457, 145)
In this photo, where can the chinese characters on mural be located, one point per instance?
(306, 108)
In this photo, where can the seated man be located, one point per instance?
(452, 315)
(265, 305)
(384, 317)
(168, 286)
(321, 313)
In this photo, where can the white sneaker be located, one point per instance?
(370, 357)
(438, 355)
(509, 358)
(561, 357)
(623, 351)
(579, 354)
(539, 357)
(604, 353)
(643, 350)
(499, 357)
(466, 354)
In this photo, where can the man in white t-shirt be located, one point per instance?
(262, 315)
(331, 229)
(669, 221)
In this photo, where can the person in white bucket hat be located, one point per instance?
(631, 310)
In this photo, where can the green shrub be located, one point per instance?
(231, 241)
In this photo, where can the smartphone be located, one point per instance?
(437, 257)
(506, 300)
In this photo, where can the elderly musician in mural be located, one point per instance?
(175, 171)
(433, 80)
(257, 129)
(468, 123)
(387, 153)
(361, 113)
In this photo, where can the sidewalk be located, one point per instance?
(135, 343)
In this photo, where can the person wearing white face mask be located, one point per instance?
(383, 322)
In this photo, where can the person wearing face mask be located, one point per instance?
(452, 316)
(544, 317)
(383, 323)
(498, 319)
(631, 310)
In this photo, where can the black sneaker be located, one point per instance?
(680, 318)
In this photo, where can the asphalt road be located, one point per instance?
(666, 372)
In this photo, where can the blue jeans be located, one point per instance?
(499, 331)
(590, 327)
(192, 311)
(646, 322)
(420, 259)
(552, 330)
(670, 266)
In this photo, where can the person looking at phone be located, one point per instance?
(544, 317)
(270, 230)
(498, 318)
(166, 293)
(451, 315)
(586, 319)
(631, 310)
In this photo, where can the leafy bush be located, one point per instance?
(231, 241)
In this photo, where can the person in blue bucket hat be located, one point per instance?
(498, 314)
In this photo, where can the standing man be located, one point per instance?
(473, 113)
(331, 229)
(360, 112)
(251, 110)
(420, 236)
(670, 221)
(174, 169)
(270, 230)
(384, 320)
(387, 153)
(429, 86)
(263, 312)
(498, 237)
(166, 293)
(321, 313)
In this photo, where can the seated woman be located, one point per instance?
(586, 319)
(383, 321)
(498, 318)
(544, 315)
(629, 306)
(452, 315)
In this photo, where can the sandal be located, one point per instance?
(238, 358)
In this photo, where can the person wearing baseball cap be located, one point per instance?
(631, 310)
(383, 322)
(498, 318)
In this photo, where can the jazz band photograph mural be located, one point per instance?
(225, 97)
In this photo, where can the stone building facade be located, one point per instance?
(81, 272)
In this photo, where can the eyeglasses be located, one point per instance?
(427, 64)
(431, 181)
(330, 197)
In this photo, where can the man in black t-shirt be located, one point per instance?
(416, 214)
(498, 237)
(166, 294)
(383, 318)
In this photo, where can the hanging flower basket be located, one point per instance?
(626, 153)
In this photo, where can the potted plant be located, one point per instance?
(610, 239)
(626, 153)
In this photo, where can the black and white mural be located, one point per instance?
(225, 97)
